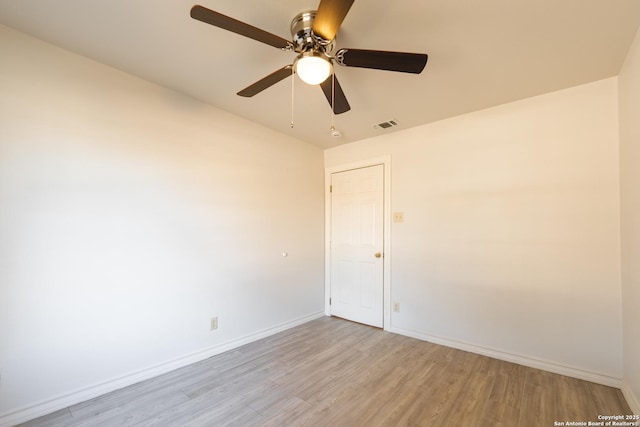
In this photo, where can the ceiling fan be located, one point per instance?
(313, 39)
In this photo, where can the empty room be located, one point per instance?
(320, 213)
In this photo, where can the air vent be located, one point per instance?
(386, 125)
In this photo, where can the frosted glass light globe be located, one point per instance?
(313, 70)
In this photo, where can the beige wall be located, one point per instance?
(129, 215)
(629, 85)
(510, 241)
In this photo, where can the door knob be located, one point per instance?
(377, 254)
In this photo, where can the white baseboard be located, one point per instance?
(59, 402)
(632, 399)
(515, 358)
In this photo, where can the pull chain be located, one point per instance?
(333, 101)
(293, 75)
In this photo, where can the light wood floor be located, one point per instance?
(331, 372)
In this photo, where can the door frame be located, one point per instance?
(386, 262)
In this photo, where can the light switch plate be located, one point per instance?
(398, 217)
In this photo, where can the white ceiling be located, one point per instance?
(481, 53)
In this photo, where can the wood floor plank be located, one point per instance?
(503, 402)
(131, 412)
(59, 418)
(332, 372)
(609, 399)
(535, 407)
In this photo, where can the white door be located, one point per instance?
(357, 199)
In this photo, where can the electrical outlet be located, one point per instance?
(214, 323)
(398, 217)
(396, 307)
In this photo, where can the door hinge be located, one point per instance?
(329, 300)
(331, 189)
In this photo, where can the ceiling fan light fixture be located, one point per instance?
(313, 36)
(313, 68)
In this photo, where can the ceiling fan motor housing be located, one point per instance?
(304, 40)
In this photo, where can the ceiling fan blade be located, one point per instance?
(267, 82)
(222, 21)
(341, 103)
(383, 60)
(329, 17)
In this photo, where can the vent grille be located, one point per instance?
(386, 125)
